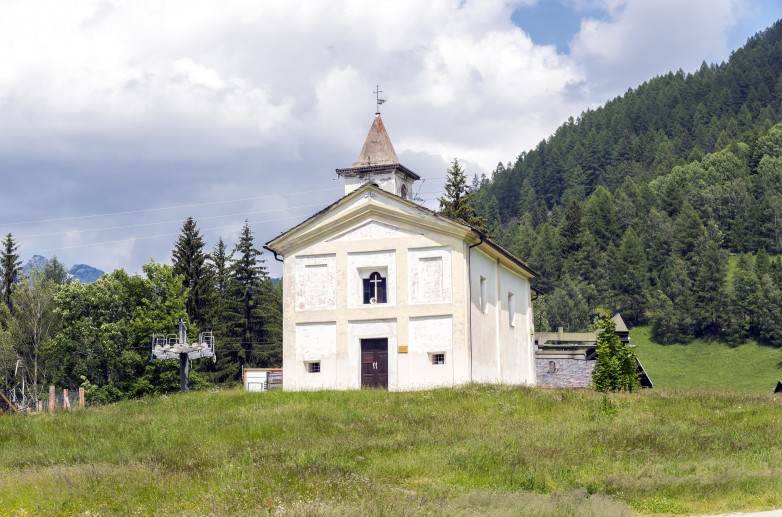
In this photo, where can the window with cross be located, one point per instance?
(374, 289)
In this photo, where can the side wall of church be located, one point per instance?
(502, 348)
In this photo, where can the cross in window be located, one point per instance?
(375, 289)
(376, 280)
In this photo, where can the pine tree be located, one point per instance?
(246, 276)
(10, 267)
(546, 258)
(688, 229)
(744, 299)
(269, 306)
(190, 264)
(55, 271)
(599, 217)
(457, 201)
(570, 228)
(709, 290)
(631, 277)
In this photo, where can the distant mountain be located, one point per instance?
(37, 262)
(81, 272)
(85, 274)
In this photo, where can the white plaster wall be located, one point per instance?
(315, 282)
(428, 335)
(517, 354)
(423, 286)
(314, 342)
(358, 330)
(390, 182)
(485, 341)
(372, 230)
(360, 266)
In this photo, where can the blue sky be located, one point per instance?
(121, 119)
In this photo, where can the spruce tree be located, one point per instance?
(246, 276)
(599, 217)
(190, 264)
(709, 288)
(269, 304)
(570, 228)
(744, 299)
(457, 201)
(10, 266)
(631, 277)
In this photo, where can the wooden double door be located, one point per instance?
(374, 363)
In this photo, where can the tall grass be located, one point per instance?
(474, 450)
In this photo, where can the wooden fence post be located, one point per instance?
(51, 399)
(81, 397)
(40, 406)
(66, 402)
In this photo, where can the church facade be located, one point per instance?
(382, 292)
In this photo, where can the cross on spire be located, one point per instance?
(378, 100)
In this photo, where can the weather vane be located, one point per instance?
(378, 100)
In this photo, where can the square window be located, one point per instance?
(313, 367)
(438, 358)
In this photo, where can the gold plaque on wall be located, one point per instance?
(402, 349)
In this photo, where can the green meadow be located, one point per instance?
(709, 364)
(474, 450)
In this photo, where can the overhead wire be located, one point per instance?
(173, 207)
(147, 237)
(69, 232)
(158, 209)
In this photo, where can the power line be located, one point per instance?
(168, 207)
(165, 222)
(147, 237)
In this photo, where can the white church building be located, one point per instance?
(381, 292)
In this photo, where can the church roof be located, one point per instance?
(484, 239)
(377, 149)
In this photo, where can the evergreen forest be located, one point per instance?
(665, 204)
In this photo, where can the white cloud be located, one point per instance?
(644, 38)
(117, 105)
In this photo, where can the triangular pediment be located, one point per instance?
(373, 230)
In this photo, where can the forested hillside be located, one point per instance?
(636, 206)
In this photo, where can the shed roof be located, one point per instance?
(620, 323)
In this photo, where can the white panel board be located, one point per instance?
(316, 282)
(315, 341)
(430, 334)
(429, 275)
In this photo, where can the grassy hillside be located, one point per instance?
(469, 451)
(709, 365)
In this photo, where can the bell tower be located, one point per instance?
(377, 163)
